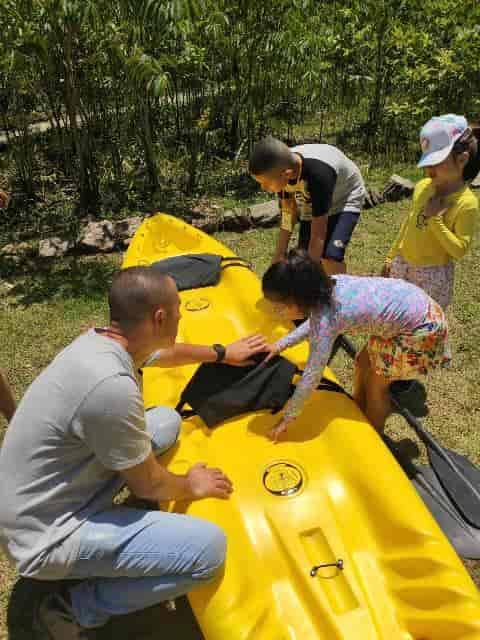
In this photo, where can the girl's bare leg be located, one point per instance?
(362, 366)
(378, 406)
(333, 267)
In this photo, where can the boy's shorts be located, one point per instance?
(340, 227)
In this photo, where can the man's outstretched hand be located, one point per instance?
(239, 353)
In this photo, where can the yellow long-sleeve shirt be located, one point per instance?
(436, 240)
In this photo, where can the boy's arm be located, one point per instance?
(283, 241)
(288, 213)
(321, 184)
(317, 238)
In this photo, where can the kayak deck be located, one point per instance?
(332, 491)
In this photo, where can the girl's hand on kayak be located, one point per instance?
(272, 352)
(239, 353)
(280, 429)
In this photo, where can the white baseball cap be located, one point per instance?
(438, 136)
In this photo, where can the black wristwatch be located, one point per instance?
(220, 351)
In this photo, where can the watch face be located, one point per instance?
(283, 479)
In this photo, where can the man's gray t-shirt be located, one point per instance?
(80, 423)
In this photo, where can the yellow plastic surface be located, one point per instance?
(333, 491)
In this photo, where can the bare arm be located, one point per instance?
(317, 238)
(294, 337)
(182, 353)
(282, 245)
(288, 208)
(151, 481)
(7, 399)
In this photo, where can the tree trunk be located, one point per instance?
(88, 181)
(147, 141)
(375, 113)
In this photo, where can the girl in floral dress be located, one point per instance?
(407, 328)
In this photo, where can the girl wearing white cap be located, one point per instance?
(440, 226)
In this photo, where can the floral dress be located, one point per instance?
(408, 331)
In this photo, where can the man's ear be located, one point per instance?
(289, 173)
(159, 317)
(464, 158)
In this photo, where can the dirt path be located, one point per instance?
(35, 129)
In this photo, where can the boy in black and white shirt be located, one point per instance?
(317, 185)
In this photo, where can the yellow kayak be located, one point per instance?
(332, 493)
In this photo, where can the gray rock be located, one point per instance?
(212, 218)
(398, 188)
(124, 230)
(207, 225)
(372, 199)
(97, 236)
(53, 247)
(5, 289)
(20, 249)
(199, 212)
(265, 214)
(235, 220)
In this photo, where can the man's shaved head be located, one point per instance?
(138, 292)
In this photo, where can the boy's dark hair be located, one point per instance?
(468, 141)
(136, 292)
(270, 154)
(300, 280)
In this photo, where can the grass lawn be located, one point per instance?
(49, 307)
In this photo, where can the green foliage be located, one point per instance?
(147, 82)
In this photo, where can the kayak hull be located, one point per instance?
(331, 492)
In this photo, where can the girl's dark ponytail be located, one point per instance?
(474, 162)
(469, 141)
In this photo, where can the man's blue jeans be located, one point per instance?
(132, 559)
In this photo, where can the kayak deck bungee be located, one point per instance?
(332, 492)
